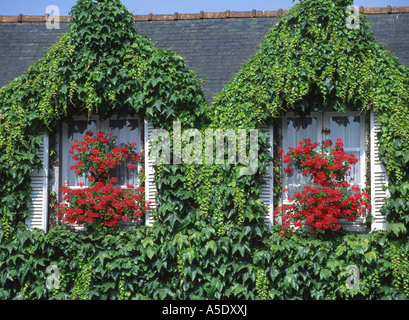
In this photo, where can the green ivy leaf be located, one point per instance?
(370, 256)
(212, 246)
(150, 252)
(396, 228)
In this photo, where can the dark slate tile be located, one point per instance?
(214, 48)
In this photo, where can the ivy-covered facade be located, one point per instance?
(208, 238)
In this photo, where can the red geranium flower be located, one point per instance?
(331, 196)
(287, 159)
(288, 170)
(101, 203)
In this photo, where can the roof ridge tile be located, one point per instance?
(201, 15)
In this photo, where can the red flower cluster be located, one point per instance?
(97, 156)
(331, 197)
(102, 203)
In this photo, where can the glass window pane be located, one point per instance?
(75, 130)
(297, 130)
(355, 171)
(348, 129)
(126, 131)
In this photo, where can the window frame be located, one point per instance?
(362, 141)
(102, 125)
(284, 130)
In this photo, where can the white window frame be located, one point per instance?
(379, 178)
(323, 121)
(39, 189)
(102, 125)
(285, 147)
(362, 141)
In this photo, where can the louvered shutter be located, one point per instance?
(39, 190)
(267, 188)
(150, 187)
(379, 178)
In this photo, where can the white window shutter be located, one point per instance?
(39, 190)
(267, 192)
(379, 178)
(150, 187)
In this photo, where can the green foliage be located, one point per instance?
(304, 267)
(82, 281)
(131, 265)
(400, 266)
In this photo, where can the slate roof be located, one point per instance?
(215, 45)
